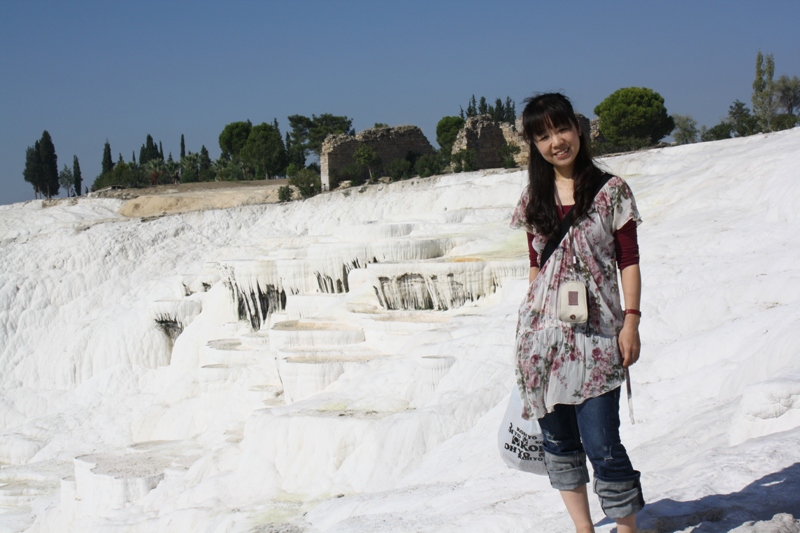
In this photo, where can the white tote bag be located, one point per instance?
(520, 440)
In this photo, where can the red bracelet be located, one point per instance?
(631, 312)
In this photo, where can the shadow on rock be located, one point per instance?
(761, 500)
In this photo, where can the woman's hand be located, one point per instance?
(629, 344)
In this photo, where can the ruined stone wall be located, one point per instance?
(389, 144)
(513, 137)
(484, 137)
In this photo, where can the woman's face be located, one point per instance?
(559, 146)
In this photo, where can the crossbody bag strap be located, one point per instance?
(563, 228)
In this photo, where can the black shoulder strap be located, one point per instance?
(563, 228)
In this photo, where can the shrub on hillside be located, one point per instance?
(307, 182)
(354, 173)
(429, 165)
(464, 161)
(285, 194)
(400, 169)
(507, 153)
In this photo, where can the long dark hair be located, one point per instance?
(554, 110)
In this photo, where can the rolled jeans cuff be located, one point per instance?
(619, 498)
(566, 472)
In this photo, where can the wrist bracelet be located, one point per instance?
(631, 312)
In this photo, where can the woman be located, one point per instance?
(570, 374)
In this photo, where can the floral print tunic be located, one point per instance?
(566, 363)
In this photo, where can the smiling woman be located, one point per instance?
(570, 365)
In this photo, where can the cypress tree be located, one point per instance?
(49, 165)
(183, 147)
(32, 172)
(108, 164)
(511, 112)
(76, 174)
(472, 108)
(498, 112)
(205, 159)
(133, 157)
(483, 108)
(160, 151)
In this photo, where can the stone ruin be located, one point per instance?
(479, 134)
(389, 144)
(483, 136)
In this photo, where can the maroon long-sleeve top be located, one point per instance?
(626, 245)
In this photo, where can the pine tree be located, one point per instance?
(472, 108)
(161, 151)
(498, 112)
(108, 164)
(205, 159)
(183, 147)
(483, 108)
(76, 175)
(49, 165)
(511, 112)
(133, 158)
(764, 91)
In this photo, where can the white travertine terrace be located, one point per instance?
(343, 363)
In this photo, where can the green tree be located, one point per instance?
(400, 169)
(155, 171)
(307, 182)
(511, 112)
(33, 171)
(183, 147)
(507, 153)
(446, 132)
(149, 151)
(108, 163)
(48, 162)
(229, 170)
(190, 168)
(764, 91)
(472, 107)
(264, 151)
(721, 131)
(787, 93)
(634, 116)
(295, 152)
(365, 156)
(430, 165)
(285, 194)
(685, 129)
(483, 107)
(205, 165)
(464, 161)
(77, 182)
(233, 138)
(310, 133)
(380, 125)
(354, 173)
(742, 122)
(67, 180)
(498, 111)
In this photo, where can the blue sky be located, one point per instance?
(94, 71)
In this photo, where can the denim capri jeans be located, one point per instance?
(591, 429)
